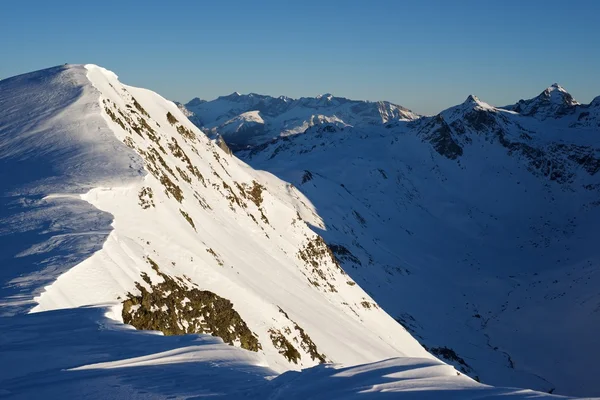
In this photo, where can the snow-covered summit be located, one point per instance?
(116, 209)
(490, 209)
(553, 102)
(284, 116)
(472, 103)
(142, 205)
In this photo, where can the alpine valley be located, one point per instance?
(345, 249)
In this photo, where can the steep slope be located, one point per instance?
(192, 240)
(252, 119)
(115, 208)
(475, 229)
(189, 239)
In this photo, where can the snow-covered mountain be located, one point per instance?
(475, 228)
(117, 212)
(248, 120)
(553, 102)
(193, 239)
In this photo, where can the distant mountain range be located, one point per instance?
(347, 249)
(475, 228)
(246, 120)
(251, 119)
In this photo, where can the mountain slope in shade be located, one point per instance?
(248, 120)
(80, 353)
(487, 213)
(588, 115)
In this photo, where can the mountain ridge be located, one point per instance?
(498, 200)
(124, 212)
(281, 116)
(142, 211)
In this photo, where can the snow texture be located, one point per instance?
(476, 229)
(109, 190)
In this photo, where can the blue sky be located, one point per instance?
(425, 55)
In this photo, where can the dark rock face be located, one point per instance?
(439, 134)
(451, 357)
(451, 132)
(176, 307)
(287, 349)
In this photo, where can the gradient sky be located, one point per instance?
(425, 55)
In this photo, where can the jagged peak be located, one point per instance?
(557, 94)
(471, 108)
(472, 99)
(556, 86)
(473, 102)
(553, 102)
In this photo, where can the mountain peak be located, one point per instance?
(556, 86)
(558, 95)
(553, 102)
(472, 99)
(327, 96)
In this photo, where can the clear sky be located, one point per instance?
(425, 55)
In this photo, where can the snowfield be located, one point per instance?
(117, 212)
(79, 353)
(475, 228)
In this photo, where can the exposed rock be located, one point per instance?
(176, 307)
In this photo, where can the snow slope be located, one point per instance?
(199, 216)
(476, 229)
(79, 353)
(248, 120)
(54, 145)
(117, 209)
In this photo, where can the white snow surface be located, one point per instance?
(553, 102)
(248, 120)
(80, 353)
(260, 271)
(488, 249)
(77, 233)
